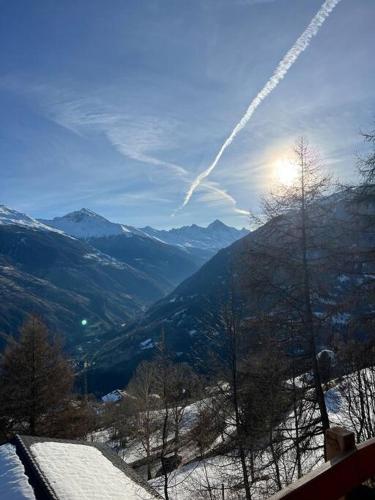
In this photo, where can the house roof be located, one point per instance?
(114, 396)
(14, 483)
(77, 470)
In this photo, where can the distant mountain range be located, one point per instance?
(199, 241)
(131, 283)
(168, 256)
(47, 272)
(204, 241)
(82, 266)
(165, 264)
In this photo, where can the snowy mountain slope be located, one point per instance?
(167, 264)
(85, 223)
(204, 240)
(343, 400)
(105, 280)
(66, 280)
(9, 216)
(220, 464)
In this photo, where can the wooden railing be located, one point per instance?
(348, 466)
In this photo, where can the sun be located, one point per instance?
(286, 171)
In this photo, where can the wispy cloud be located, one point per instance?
(141, 137)
(212, 193)
(281, 70)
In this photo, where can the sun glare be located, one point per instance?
(286, 171)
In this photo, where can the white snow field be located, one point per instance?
(195, 478)
(14, 484)
(12, 217)
(85, 223)
(80, 472)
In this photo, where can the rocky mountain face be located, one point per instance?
(166, 264)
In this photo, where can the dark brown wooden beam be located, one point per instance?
(349, 467)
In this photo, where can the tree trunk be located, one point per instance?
(309, 319)
(238, 424)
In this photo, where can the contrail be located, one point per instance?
(281, 70)
(227, 197)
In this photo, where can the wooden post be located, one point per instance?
(338, 441)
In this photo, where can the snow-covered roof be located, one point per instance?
(115, 395)
(14, 484)
(78, 470)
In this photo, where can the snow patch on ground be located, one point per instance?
(333, 401)
(341, 318)
(147, 344)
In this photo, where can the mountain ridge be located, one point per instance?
(85, 223)
(65, 279)
(108, 280)
(205, 241)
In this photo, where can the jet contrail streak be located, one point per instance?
(229, 198)
(282, 68)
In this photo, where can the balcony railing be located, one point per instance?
(348, 466)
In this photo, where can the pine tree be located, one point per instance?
(36, 385)
(291, 258)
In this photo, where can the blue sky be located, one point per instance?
(117, 105)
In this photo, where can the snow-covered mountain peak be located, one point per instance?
(85, 223)
(78, 215)
(8, 216)
(212, 238)
(218, 225)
